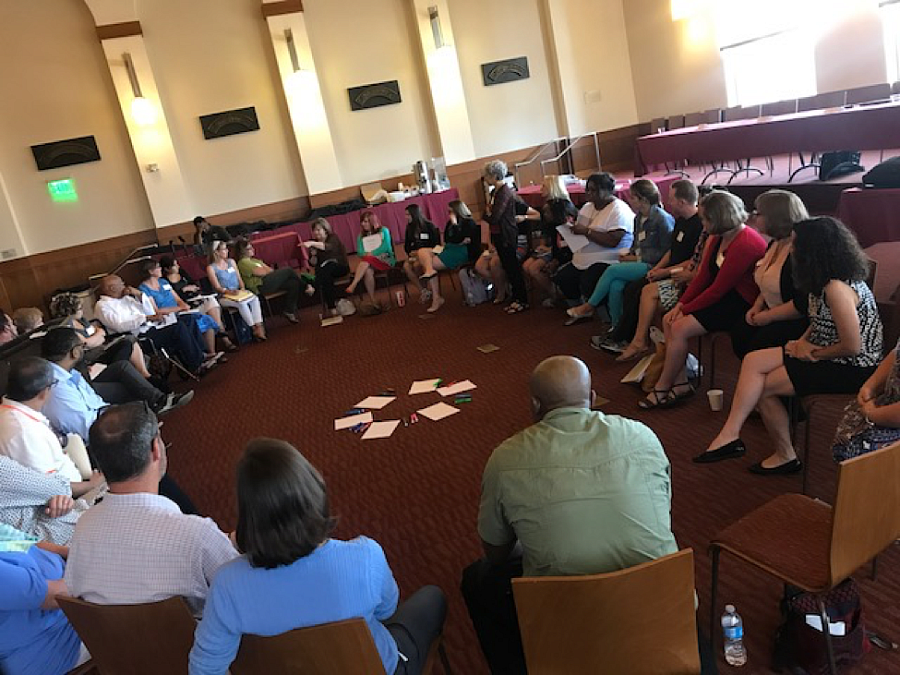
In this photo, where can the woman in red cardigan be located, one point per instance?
(717, 298)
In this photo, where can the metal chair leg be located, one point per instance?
(806, 444)
(714, 551)
(832, 667)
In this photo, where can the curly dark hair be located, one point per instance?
(825, 249)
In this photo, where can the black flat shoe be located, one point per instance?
(727, 451)
(793, 466)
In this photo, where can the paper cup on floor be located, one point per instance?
(716, 399)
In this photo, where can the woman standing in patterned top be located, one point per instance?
(836, 355)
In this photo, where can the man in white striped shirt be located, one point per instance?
(136, 546)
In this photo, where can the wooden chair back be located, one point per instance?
(134, 639)
(866, 510)
(340, 648)
(639, 621)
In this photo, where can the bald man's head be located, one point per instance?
(560, 382)
(112, 286)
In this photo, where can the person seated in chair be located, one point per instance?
(420, 238)
(122, 310)
(608, 224)
(376, 259)
(166, 302)
(35, 636)
(579, 492)
(225, 279)
(70, 308)
(37, 503)
(25, 432)
(462, 245)
(8, 330)
(260, 279)
(77, 399)
(205, 234)
(136, 546)
(284, 532)
(329, 257)
(28, 319)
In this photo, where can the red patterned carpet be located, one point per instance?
(417, 492)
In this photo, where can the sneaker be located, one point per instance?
(612, 347)
(173, 401)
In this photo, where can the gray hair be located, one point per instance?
(28, 377)
(495, 169)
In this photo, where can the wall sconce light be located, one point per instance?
(436, 27)
(142, 109)
(292, 49)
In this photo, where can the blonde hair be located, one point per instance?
(646, 190)
(723, 211)
(782, 210)
(27, 318)
(555, 187)
(324, 224)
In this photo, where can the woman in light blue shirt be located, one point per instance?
(293, 575)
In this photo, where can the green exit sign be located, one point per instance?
(62, 190)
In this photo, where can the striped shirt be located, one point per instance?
(137, 548)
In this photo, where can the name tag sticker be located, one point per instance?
(642, 236)
(424, 235)
(680, 236)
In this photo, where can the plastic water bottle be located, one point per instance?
(733, 632)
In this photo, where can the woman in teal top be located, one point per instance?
(371, 258)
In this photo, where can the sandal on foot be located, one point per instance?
(516, 307)
(660, 399)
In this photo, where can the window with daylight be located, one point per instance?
(767, 48)
(890, 21)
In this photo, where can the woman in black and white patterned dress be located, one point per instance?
(836, 355)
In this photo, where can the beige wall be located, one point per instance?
(677, 69)
(209, 56)
(54, 84)
(594, 64)
(675, 65)
(359, 42)
(850, 51)
(516, 114)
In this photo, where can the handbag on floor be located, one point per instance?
(800, 643)
(473, 288)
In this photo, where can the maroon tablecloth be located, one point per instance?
(873, 214)
(531, 194)
(280, 249)
(872, 127)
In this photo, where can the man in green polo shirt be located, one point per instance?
(578, 492)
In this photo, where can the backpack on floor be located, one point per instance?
(474, 290)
